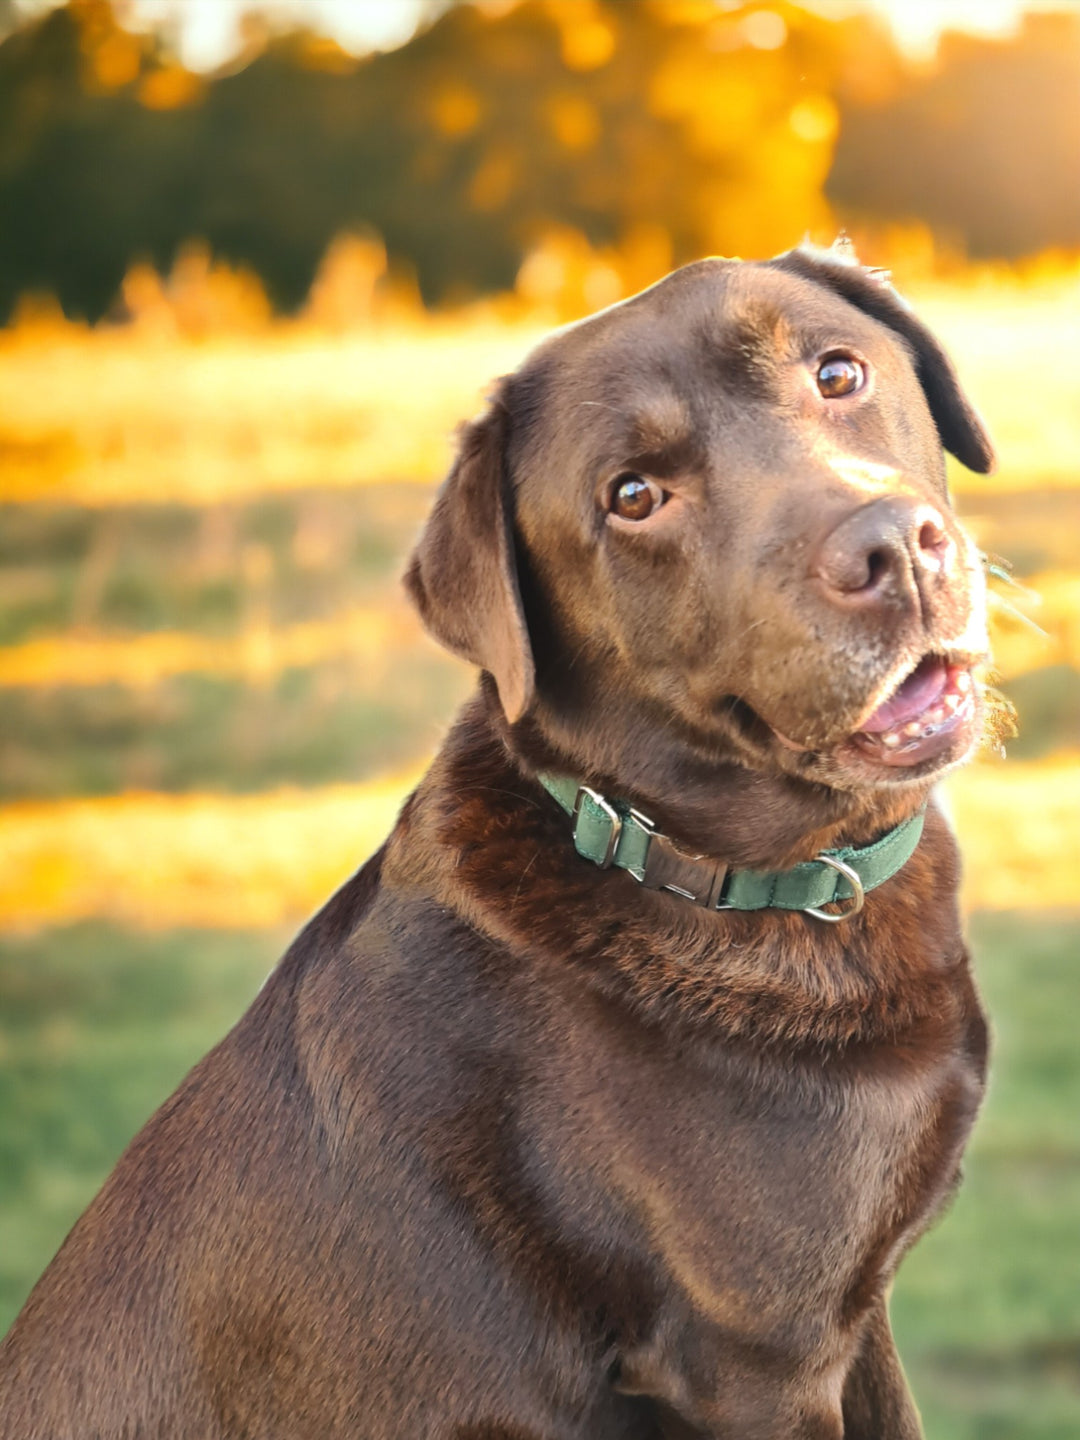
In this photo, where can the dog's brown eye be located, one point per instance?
(840, 375)
(635, 497)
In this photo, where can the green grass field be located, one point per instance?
(98, 1025)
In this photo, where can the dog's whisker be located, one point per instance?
(602, 405)
(499, 790)
(521, 878)
(998, 602)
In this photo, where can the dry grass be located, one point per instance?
(111, 416)
(1051, 601)
(1013, 338)
(1018, 830)
(157, 861)
(365, 635)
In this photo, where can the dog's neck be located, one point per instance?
(746, 818)
(483, 837)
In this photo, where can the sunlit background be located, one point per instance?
(254, 266)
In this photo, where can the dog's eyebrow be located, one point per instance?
(656, 428)
(751, 348)
(759, 327)
(659, 423)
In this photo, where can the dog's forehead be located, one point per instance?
(647, 363)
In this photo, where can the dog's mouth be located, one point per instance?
(922, 717)
(928, 718)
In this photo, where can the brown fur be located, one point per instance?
(510, 1147)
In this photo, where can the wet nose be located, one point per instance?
(882, 549)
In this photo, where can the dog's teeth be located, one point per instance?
(951, 701)
(890, 739)
(913, 727)
(963, 681)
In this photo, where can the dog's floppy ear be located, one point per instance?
(463, 574)
(957, 421)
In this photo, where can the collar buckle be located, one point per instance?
(699, 878)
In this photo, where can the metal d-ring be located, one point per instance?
(858, 894)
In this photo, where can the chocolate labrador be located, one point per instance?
(604, 1101)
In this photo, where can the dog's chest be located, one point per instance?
(775, 1196)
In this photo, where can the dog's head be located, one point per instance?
(712, 522)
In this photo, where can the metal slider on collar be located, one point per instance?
(614, 819)
(699, 878)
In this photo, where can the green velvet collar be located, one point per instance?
(614, 833)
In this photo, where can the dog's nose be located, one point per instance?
(883, 548)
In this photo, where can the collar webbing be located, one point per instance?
(612, 832)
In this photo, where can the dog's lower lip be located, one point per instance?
(922, 716)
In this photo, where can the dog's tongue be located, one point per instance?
(910, 698)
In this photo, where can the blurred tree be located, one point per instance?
(462, 148)
(88, 175)
(658, 129)
(985, 148)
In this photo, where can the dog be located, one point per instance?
(603, 1102)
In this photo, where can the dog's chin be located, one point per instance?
(927, 721)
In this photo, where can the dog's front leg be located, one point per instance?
(877, 1401)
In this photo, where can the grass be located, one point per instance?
(111, 417)
(987, 1308)
(308, 555)
(309, 725)
(250, 644)
(100, 1024)
(997, 327)
(209, 569)
(96, 1028)
(106, 417)
(163, 862)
